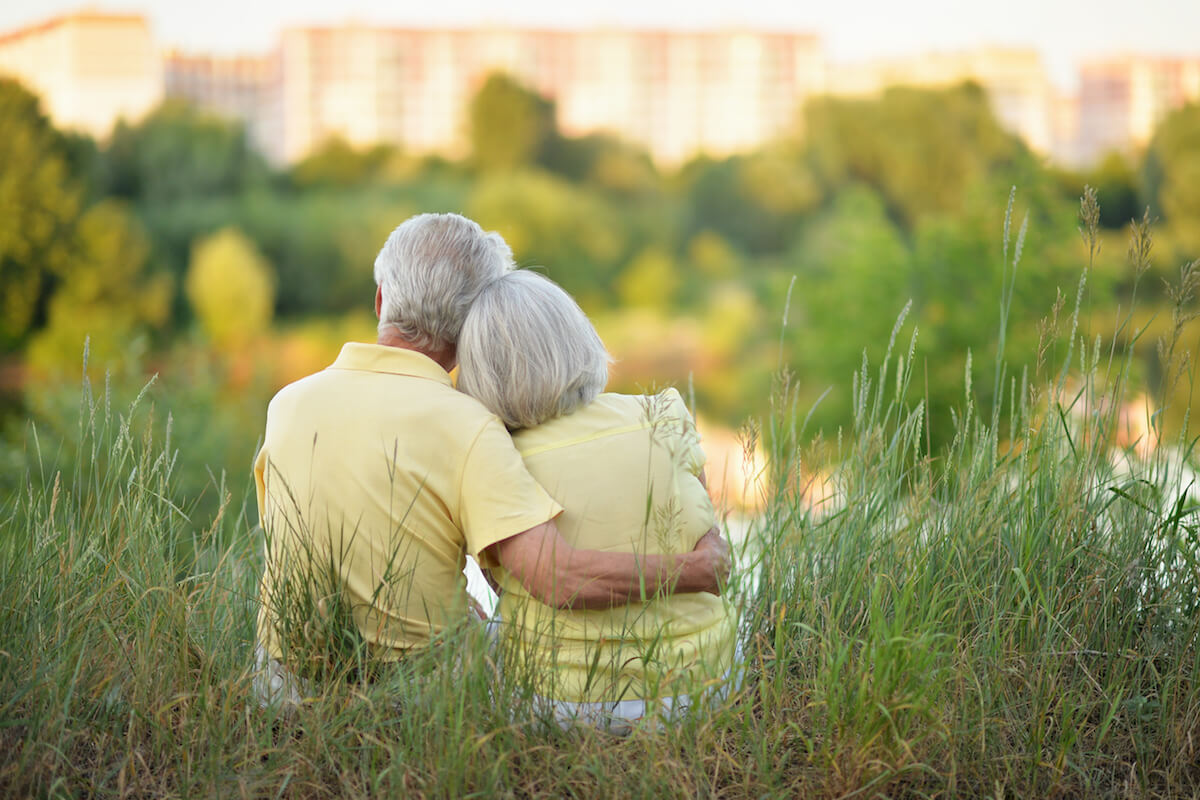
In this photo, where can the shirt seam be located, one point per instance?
(462, 471)
(590, 437)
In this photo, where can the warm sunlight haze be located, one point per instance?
(637, 399)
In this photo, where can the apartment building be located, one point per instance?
(245, 87)
(674, 93)
(1122, 100)
(89, 68)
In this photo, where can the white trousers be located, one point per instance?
(275, 685)
(622, 716)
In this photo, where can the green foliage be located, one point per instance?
(1031, 587)
(713, 256)
(508, 123)
(1172, 175)
(39, 203)
(874, 203)
(68, 271)
(603, 162)
(574, 234)
(853, 279)
(336, 163)
(178, 153)
(106, 294)
(1116, 186)
(323, 243)
(922, 149)
(231, 287)
(757, 200)
(651, 279)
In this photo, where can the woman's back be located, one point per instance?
(626, 469)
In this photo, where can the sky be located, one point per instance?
(1065, 31)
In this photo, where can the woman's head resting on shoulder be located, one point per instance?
(528, 352)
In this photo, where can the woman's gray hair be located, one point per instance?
(430, 269)
(528, 352)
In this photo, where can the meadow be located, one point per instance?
(1014, 614)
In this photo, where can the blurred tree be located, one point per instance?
(573, 233)
(187, 173)
(921, 148)
(623, 170)
(713, 257)
(337, 163)
(739, 353)
(573, 157)
(40, 200)
(651, 279)
(509, 124)
(602, 161)
(780, 183)
(1172, 176)
(178, 153)
(854, 269)
(322, 243)
(231, 288)
(105, 294)
(755, 200)
(1116, 186)
(85, 162)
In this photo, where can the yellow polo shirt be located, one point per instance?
(375, 478)
(625, 469)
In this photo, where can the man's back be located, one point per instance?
(375, 477)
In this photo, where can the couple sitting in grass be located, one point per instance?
(376, 477)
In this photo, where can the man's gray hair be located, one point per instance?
(528, 352)
(430, 269)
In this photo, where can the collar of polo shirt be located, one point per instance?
(395, 360)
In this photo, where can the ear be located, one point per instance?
(378, 300)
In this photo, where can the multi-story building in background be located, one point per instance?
(337, 82)
(241, 87)
(675, 93)
(1122, 100)
(89, 68)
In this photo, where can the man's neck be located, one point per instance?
(446, 357)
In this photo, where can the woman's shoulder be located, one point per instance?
(660, 406)
(664, 405)
(609, 412)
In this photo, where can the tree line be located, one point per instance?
(798, 254)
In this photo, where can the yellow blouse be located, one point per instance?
(626, 470)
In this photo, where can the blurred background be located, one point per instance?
(200, 191)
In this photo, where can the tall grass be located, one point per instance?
(1014, 616)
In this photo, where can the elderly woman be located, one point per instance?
(629, 472)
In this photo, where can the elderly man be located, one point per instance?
(376, 476)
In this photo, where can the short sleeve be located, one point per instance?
(498, 498)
